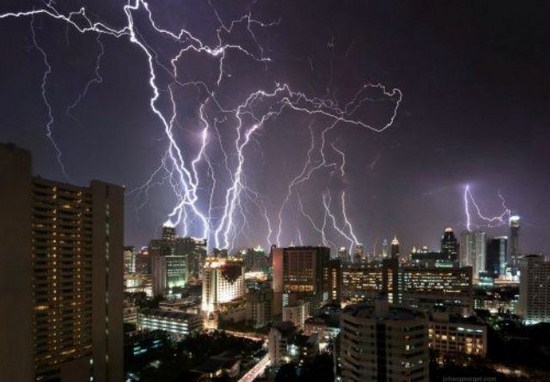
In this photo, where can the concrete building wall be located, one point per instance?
(16, 345)
(108, 280)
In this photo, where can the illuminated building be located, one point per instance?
(429, 259)
(254, 260)
(496, 256)
(174, 260)
(179, 324)
(394, 248)
(534, 289)
(137, 282)
(358, 253)
(300, 273)
(223, 281)
(498, 299)
(361, 282)
(454, 335)
(385, 248)
(344, 255)
(297, 313)
(390, 273)
(130, 260)
(261, 306)
(472, 251)
(143, 262)
(334, 281)
(280, 338)
(61, 276)
(193, 250)
(382, 343)
(449, 245)
(513, 257)
(426, 288)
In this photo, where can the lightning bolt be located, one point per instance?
(470, 204)
(212, 194)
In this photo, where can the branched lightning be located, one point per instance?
(209, 182)
(485, 221)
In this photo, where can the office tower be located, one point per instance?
(358, 254)
(344, 255)
(496, 256)
(182, 258)
(143, 261)
(297, 313)
(301, 273)
(193, 250)
(472, 251)
(449, 245)
(534, 289)
(61, 276)
(385, 248)
(223, 282)
(334, 279)
(513, 257)
(394, 249)
(427, 288)
(382, 343)
(254, 259)
(390, 275)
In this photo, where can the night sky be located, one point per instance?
(475, 110)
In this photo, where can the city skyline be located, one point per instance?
(471, 117)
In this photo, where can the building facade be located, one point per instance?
(472, 251)
(382, 343)
(223, 281)
(61, 275)
(534, 289)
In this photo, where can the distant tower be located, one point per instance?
(472, 251)
(449, 245)
(385, 248)
(496, 256)
(514, 244)
(358, 253)
(168, 233)
(394, 247)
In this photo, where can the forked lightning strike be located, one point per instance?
(212, 198)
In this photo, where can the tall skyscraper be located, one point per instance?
(534, 289)
(472, 251)
(514, 254)
(394, 249)
(61, 276)
(496, 256)
(382, 343)
(385, 248)
(449, 245)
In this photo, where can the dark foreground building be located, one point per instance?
(61, 276)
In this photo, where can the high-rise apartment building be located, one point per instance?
(61, 276)
(383, 343)
(472, 251)
(534, 289)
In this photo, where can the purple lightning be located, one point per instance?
(204, 206)
(488, 221)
